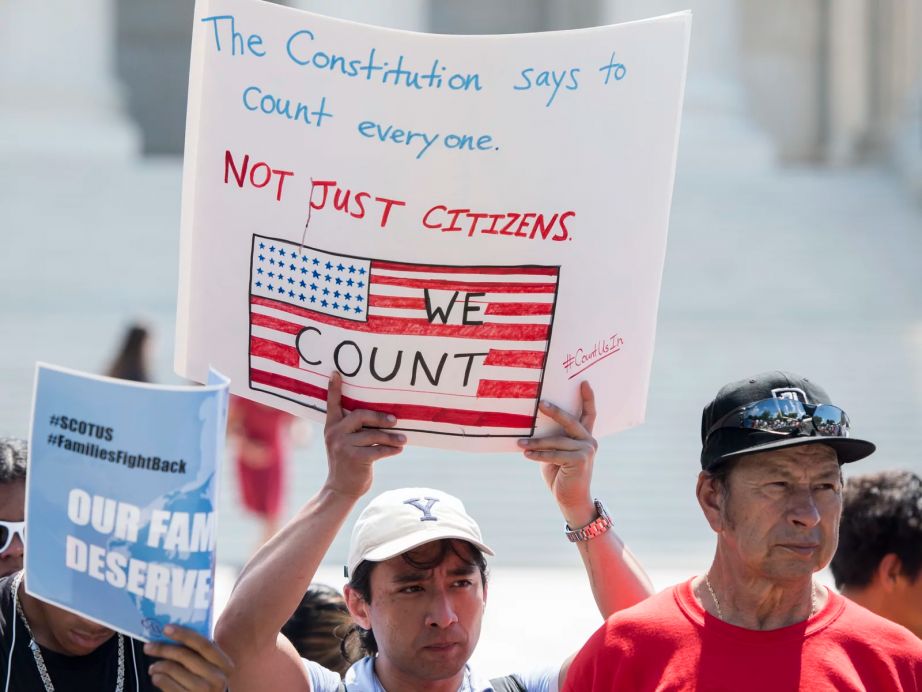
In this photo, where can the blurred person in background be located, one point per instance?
(262, 437)
(319, 627)
(879, 561)
(13, 455)
(132, 360)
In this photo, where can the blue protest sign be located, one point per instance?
(120, 499)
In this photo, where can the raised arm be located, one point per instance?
(276, 578)
(616, 577)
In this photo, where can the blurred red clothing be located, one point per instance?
(263, 441)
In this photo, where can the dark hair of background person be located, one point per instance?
(881, 514)
(131, 361)
(360, 580)
(13, 459)
(319, 626)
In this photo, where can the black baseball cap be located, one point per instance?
(727, 443)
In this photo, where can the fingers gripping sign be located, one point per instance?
(354, 441)
(193, 663)
(567, 458)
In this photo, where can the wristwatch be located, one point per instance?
(596, 527)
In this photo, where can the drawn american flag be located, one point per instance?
(454, 350)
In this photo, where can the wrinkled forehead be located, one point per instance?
(803, 460)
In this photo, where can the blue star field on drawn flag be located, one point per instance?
(284, 258)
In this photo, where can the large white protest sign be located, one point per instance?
(121, 499)
(461, 225)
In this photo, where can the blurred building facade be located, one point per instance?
(831, 82)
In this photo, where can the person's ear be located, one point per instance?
(358, 607)
(889, 572)
(711, 498)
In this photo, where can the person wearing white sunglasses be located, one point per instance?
(12, 503)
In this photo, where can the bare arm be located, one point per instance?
(275, 579)
(616, 577)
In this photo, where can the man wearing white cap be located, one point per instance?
(417, 586)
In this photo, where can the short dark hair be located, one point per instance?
(319, 626)
(360, 581)
(881, 514)
(13, 459)
(720, 474)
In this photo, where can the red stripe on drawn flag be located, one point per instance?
(448, 349)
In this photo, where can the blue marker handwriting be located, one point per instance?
(614, 71)
(225, 34)
(548, 79)
(389, 133)
(252, 45)
(256, 100)
(301, 51)
(421, 141)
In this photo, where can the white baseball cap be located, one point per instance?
(399, 520)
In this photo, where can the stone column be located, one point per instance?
(907, 149)
(718, 128)
(849, 58)
(58, 93)
(900, 127)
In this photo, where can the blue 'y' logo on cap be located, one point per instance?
(426, 509)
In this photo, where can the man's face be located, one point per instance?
(12, 508)
(780, 519)
(71, 634)
(426, 622)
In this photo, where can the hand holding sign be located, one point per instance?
(355, 442)
(567, 459)
(194, 663)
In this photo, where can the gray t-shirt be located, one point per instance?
(361, 678)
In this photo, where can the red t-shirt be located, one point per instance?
(669, 642)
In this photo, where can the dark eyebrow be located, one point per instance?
(464, 570)
(780, 470)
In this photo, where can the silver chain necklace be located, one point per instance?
(707, 582)
(37, 651)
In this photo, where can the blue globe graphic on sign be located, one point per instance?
(155, 615)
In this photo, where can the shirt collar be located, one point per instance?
(361, 678)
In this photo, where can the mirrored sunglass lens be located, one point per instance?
(4, 536)
(773, 415)
(830, 420)
(790, 408)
